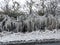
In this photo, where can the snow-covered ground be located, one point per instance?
(35, 35)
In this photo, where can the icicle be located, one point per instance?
(17, 18)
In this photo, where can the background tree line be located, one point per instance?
(30, 20)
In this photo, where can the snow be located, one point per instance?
(35, 35)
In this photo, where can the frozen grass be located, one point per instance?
(35, 35)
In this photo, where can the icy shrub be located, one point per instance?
(30, 23)
(51, 22)
(1, 18)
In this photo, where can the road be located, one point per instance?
(34, 43)
(45, 42)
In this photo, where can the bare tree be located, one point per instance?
(29, 5)
(52, 7)
(51, 10)
(5, 7)
(13, 11)
(42, 11)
